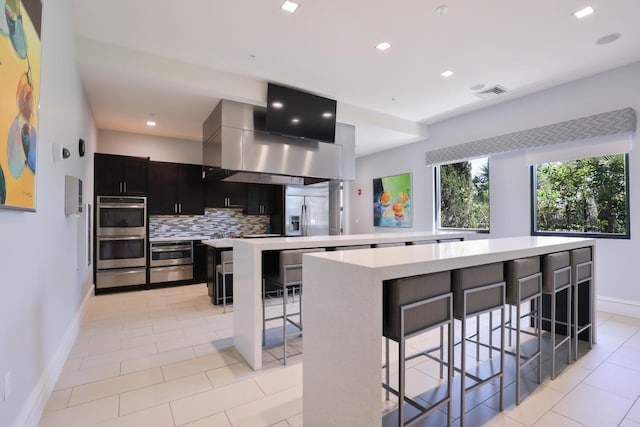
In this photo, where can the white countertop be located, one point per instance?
(174, 239)
(219, 243)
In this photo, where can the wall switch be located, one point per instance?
(7, 385)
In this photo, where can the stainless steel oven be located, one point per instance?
(121, 216)
(171, 261)
(121, 252)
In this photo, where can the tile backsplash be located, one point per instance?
(214, 223)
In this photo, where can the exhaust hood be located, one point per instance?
(234, 139)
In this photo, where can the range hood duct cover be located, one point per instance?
(234, 139)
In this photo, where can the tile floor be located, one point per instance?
(165, 358)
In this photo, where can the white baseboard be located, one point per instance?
(620, 306)
(37, 400)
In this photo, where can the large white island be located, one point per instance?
(343, 316)
(247, 278)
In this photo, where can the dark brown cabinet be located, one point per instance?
(120, 174)
(175, 189)
(223, 194)
(260, 198)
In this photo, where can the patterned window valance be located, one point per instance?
(609, 123)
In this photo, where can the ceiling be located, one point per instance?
(175, 60)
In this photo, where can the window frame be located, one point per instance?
(534, 209)
(436, 180)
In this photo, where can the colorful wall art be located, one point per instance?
(392, 201)
(19, 99)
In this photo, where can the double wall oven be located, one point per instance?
(121, 241)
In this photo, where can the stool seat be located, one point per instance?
(581, 264)
(519, 269)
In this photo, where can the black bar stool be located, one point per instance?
(289, 276)
(582, 275)
(556, 277)
(479, 290)
(524, 283)
(411, 306)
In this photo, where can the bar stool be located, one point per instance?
(289, 276)
(411, 306)
(479, 290)
(556, 277)
(582, 274)
(524, 283)
(224, 268)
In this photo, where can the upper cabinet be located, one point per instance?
(260, 199)
(223, 194)
(175, 189)
(120, 174)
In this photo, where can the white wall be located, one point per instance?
(158, 148)
(42, 286)
(510, 192)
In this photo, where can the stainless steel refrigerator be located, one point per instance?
(307, 210)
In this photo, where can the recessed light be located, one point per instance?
(289, 6)
(383, 46)
(295, 120)
(584, 12)
(609, 38)
(447, 73)
(151, 123)
(477, 87)
(442, 10)
(277, 104)
(327, 115)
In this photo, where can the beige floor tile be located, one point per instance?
(593, 406)
(616, 379)
(230, 374)
(199, 364)
(617, 328)
(485, 416)
(533, 405)
(281, 379)
(281, 424)
(153, 338)
(155, 360)
(211, 402)
(552, 419)
(82, 415)
(295, 421)
(628, 423)
(217, 420)
(634, 412)
(120, 335)
(88, 349)
(118, 356)
(158, 416)
(111, 386)
(86, 376)
(163, 393)
(72, 364)
(186, 341)
(58, 400)
(268, 410)
(569, 379)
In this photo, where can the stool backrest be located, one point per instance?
(226, 259)
(291, 265)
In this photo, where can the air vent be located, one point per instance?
(491, 92)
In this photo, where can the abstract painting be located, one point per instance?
(392, 201)
(19, 100)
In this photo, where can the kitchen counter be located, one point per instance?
(342, 351)
(219, 243)
(177, 239)
(247, 267)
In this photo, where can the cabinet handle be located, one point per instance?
(120, 187)
(175, 208)
(125, 186)
(180, 207)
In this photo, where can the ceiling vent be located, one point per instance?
(491, 92)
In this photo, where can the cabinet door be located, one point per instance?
(214, 196)
(163, 188)
(223, 194)
(190, 190)
(236, 193)
(260, 199)
(135, 175)
(199, 262)
(108, 170)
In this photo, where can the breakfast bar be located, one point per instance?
(248, 269)
(342, 351)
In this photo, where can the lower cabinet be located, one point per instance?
(199, 262)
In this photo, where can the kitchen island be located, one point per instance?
(248, 269)
(342, 351)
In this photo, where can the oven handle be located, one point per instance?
(118, 205)
(123, 238)
(171, 249)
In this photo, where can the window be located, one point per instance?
(586, 197)
(463, 192)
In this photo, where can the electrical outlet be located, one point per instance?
(7, 385)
